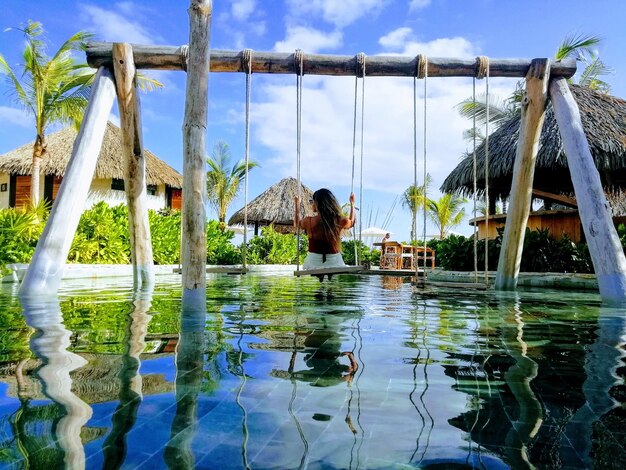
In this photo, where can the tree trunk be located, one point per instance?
(46, 267)
(533, 113)
(604, 244)
(194, 150)
(39, 151)
(134, 165)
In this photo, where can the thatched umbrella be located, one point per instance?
(275, 206)
(110, 161)
(604, 122)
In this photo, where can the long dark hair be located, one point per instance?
(330, 212)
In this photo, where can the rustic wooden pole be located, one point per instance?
(604, 245)
(46, 268)
(533, 113)
(175, 58)
(134, 165)
(193, 250)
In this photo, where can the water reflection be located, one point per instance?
(595, 417)
(189, 373)
(49, 343)
(130, 394)
(519, 377)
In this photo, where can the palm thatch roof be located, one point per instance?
(275, 205)
(604, 123)
(110, 162)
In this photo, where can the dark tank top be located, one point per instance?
(319, 244)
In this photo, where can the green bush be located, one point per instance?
(20, 228)
(165, 234)
(102, 236)
(275, 248)
(366, 254)
(541, 253)
(220, 249)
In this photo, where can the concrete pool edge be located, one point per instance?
(546, 280)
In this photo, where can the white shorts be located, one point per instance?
(316, 260)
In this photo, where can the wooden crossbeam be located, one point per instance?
(557, 198)
(175, 58)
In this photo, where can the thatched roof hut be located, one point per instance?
(275, 206)
(604, 122)
(110, 161)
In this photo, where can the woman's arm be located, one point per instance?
(296, 215)
(349, 222)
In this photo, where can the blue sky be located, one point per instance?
(444, 28)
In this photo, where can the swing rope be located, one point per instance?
(483, 72)
(360, 72)
(247, 66)
(361, 61)
(474, 179)
(299, 65)
(414, 222)
(422, 72)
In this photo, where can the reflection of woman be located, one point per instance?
(324, 229)
(324, 359)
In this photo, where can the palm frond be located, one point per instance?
(146, 83)
(590, 75)
(578, 46)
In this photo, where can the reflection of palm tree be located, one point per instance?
(130, 396)
(50, 345)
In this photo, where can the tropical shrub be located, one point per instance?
(165, 234)
(541, 253)
(220, 250)
(20, 228)
(102, 236)
(366, 254)
(275, 248)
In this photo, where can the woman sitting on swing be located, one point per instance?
(324, 230)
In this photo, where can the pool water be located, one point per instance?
(284, 372)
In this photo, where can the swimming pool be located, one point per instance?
(287, 373)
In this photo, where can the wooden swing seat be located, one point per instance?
(220, 270)
(331, 271)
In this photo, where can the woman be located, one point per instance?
(324, 229)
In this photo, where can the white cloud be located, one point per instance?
(242, 9)
(15, 116)
(327, 124)
(339, 13)
(396, 38)
(309, 40)
(418, 4)
(111, 25)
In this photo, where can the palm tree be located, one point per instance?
(53, 89)
(446, 213)
(415, 198)
(223, 180)
(581, 47)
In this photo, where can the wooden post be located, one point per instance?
(134, 165)
(46, 268)
(533, 113)
(193, 250)
(604, 245)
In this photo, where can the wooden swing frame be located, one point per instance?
(45, 270)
